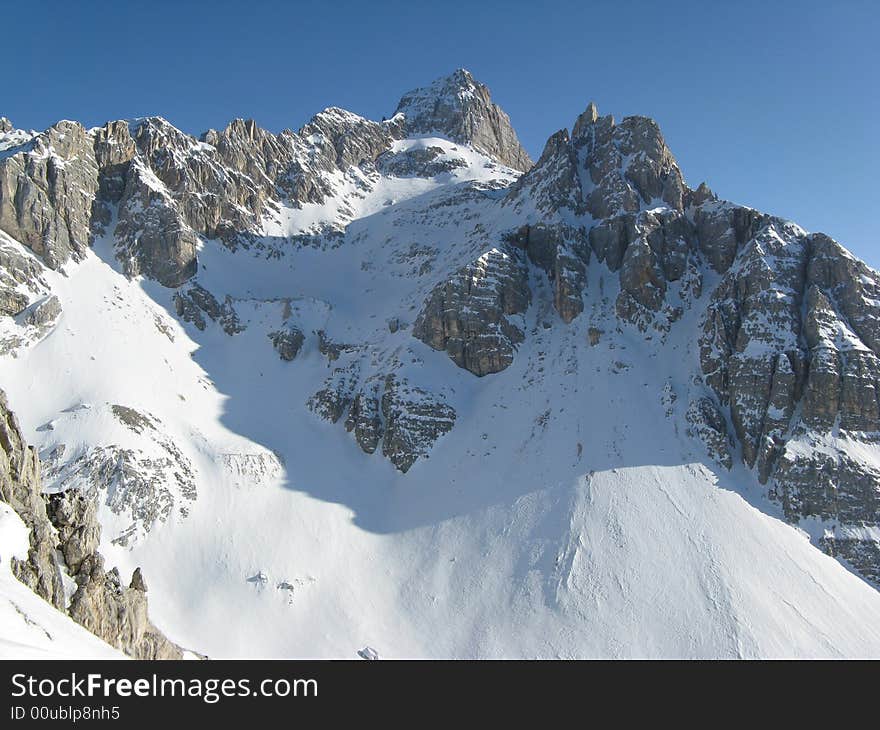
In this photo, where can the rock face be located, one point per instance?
(365, 416)
(338, 393)
(618, 187)
(28, 309)
(461, 109)
(178, 189)
(469, 316)
(166, 190)
(414, 419)
(605, 169)
(47, 188)
(345, 140)
(389, 410)
(563, 253)
(791, 349)
(706, 422)
(752, 324)
(64, 537)
(102, 603)
(152, 239)
(287, 342)
(60, 188)
(21, 488)
(554, 182)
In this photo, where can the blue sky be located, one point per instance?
(775, 104)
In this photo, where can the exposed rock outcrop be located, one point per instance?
(193, 303)
(405, 419)
(287, 342)
(553, 184)
(781, 349)
(333, 400)
(622, 182)
(152, 239)
(47, 189)
(418, 162)
(66, 525)
(102, 603)
(21, 488)
(414, 420)
(27, 306)
(723, 229)
(343, 140)
(469, 315)
(563, 253)
(706, 423)
(365, 416)
(61, 187)
(752, 321)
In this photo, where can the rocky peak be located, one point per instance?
(553, 183)
(5, 125)
(703, 194)
(589, 116)
(607, 169)
(460, 108)
(346, 139)
(242, 128)
(160, 142)
(628, 165)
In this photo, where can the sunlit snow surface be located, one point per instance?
(565, 515)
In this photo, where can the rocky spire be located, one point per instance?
(461, 108)
(590, 115)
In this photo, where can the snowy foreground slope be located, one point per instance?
(542, 490)
(508, 545)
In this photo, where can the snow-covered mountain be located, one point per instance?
(391, 384)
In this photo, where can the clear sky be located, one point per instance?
(774, 103)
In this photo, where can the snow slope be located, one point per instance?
(567, 514)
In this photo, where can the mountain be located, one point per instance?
(389, 384)
(460, 109)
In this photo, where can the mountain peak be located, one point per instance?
(590, 115)
(462, 77)
(461, 108)
(460, 81)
